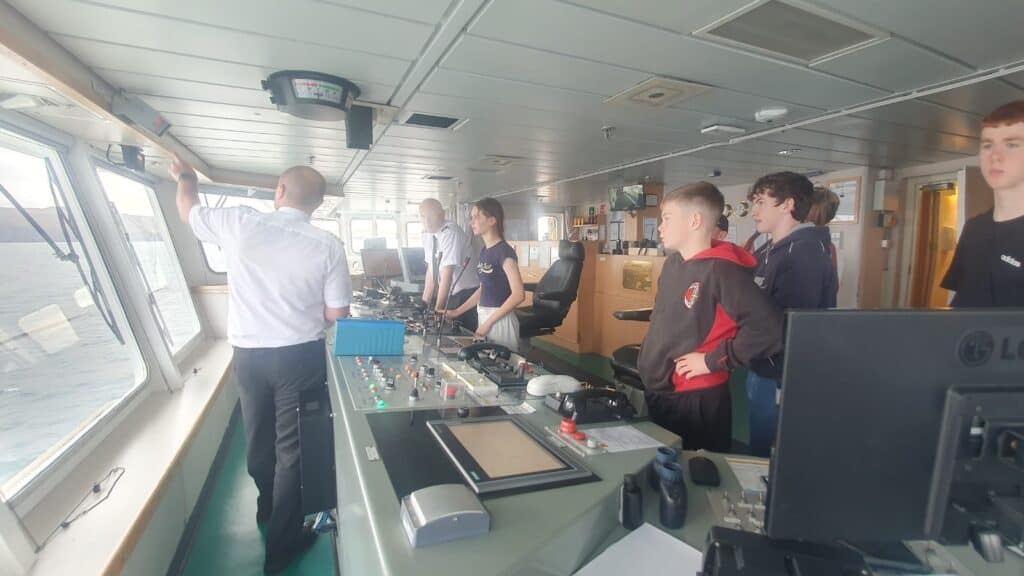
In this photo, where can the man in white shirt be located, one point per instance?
(288, 281)
(445, 240)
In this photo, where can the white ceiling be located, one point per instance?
(532, 76)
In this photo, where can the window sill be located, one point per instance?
(149, 444)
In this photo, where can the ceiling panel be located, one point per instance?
(735, 105)
(254, 99)
(876, 130)
(231, 128)
(314, 23)
(584, 33)
(979, 99)
(67, 17)
(426, 11)
(894, 65)
(948, 25)
(497, 93)
(527, 65)
(216, 112)
(134, 59)
(924, 115)
(683, 17)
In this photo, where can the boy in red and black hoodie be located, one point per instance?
(708, 317)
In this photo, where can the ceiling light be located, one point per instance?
(722, 129)
(789, 151)
(23, 101)
(771, 114)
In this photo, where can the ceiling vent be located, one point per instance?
(421, 120)
(500, 160)
(658, 92)
(793, 30)
(437, 177)
(484, 170)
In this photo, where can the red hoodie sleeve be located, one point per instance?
(758, 321)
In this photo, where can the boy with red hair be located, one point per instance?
(988, 266)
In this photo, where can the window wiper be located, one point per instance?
(91, 281)
(69, 227)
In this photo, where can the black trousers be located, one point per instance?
(269, 383)
(469, 319)
(702, 418)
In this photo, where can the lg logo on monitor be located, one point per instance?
(977, 348)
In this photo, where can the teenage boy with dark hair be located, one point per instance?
(988, 266)
(708, 318)
(795, 270)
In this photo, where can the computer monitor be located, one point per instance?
(861, 416)
(414, 267)
(380, 263)
(375, 243)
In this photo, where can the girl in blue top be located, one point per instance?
(501, 286)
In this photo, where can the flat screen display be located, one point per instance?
(503, 453)
(502, 449)
(627, 197)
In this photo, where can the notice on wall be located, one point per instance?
(848, 191)
(534, 254)
(651, 229)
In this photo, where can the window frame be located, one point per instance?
(189, 346)
(419, 237)
(61, 152)
(220, 190)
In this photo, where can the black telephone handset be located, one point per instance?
(595, 404)
(486, 349)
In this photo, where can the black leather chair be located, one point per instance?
(624, 360)
(554, 294)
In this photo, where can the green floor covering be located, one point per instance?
(228, 541)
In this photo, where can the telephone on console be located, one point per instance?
(592, 404)
(495, 361)
(488, 350)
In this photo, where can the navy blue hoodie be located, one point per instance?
(797, 273)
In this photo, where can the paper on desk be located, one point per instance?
(749, 473)
(622, 438)
(523, 408)
(646, 550)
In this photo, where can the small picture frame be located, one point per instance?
(650, 200)
(848, 190)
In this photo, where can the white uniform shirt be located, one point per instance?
(454, 245)
(282, 272)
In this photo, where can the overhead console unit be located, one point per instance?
(322, 98)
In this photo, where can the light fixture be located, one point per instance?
(789, 151)
(722, 129)
(771, 114)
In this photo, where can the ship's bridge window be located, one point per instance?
(213, 253)
(143, 226)
(67, 355)
(259, 201)
(414, 234)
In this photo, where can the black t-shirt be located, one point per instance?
(494, 286)
(988, 266)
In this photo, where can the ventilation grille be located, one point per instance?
(432, 121)
(791, 29)
(658, 92)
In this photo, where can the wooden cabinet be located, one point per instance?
(607, 283)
